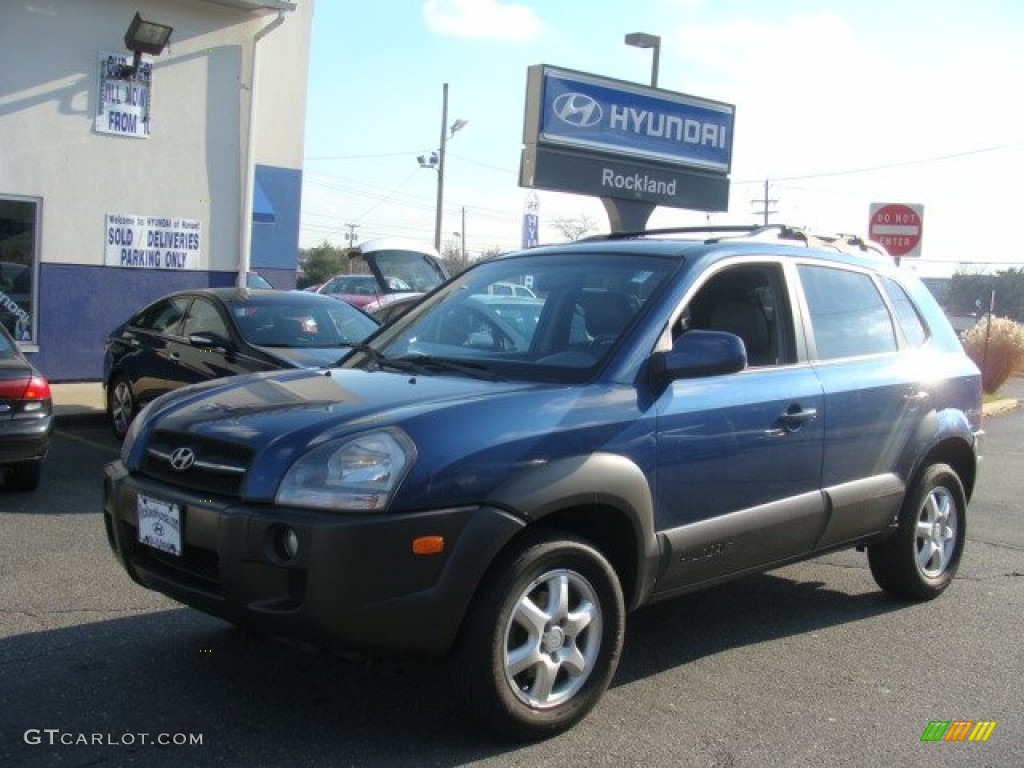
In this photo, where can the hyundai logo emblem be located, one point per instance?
(182, 458)
(578, 109)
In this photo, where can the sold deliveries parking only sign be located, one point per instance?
(152, 242)
(897, 227)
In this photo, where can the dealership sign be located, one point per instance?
(152, 242)
(623, 140)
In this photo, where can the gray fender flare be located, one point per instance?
(602, 479)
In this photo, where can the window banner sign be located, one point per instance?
(152, 242)
(124, 99)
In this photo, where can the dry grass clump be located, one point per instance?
(1001, 355)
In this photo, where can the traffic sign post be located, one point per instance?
(898, 228)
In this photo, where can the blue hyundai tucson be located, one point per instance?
(501, 482)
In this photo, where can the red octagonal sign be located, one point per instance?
(897, 227)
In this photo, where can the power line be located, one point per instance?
(901, 164)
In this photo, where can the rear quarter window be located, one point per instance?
(907, 316)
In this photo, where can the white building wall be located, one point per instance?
(191, 166)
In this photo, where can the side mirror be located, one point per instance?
(699, 353)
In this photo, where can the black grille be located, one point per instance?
(199, 564)
(219, 466)
(196, 567)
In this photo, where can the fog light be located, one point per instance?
(285, 543)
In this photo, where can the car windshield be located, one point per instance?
(581, 306)
(300, 323)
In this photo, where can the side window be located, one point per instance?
(906, 314)
(162, 316)
(848, 316)
(751, 302)
(204, 318)
(19, 264)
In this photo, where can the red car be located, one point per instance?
(385, 267)
(360, 290)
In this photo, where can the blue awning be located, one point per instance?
(262, 210)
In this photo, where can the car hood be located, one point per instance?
(296, 407)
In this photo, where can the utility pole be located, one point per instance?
(351, 236)
(766, 204)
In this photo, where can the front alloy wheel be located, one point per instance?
(542, 638)
(552, 638)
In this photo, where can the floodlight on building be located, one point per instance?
(144, 37)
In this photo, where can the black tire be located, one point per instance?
(516, 610)
(921, 559)
(24, 476)
(121, 405)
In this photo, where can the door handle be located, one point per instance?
(796, 417)
(792, 420)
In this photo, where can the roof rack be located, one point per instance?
(717, 233)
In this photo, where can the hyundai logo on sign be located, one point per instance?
(578, 110)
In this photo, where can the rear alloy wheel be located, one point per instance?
(543, 638)
(120, 406)
(922, 558)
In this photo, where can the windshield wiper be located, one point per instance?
(358, 346)
(419, 362)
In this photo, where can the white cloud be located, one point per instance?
(481, 19)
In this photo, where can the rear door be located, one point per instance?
(876, 393)
(143, 350)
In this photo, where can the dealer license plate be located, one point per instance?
(159, 524)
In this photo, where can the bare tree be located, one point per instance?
(574, 228)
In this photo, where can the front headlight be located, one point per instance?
(356, 473)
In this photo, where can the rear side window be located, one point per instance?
(847, 313)
(906, 315)
(162, 316)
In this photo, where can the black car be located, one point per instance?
(207, 333)
(26, 418)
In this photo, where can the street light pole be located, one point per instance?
(436, 161)
(644, 40)
(440, 169)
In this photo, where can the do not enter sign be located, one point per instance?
(897, 227)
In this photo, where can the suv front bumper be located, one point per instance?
(353, 581)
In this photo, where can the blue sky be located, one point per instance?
(839, 104)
